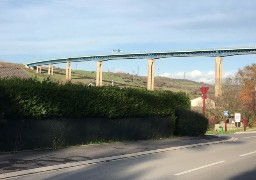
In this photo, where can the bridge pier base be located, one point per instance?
(150, 82)
(218, 76)
(38, 69)
(99, 73)
(68, 71)
(50, 69)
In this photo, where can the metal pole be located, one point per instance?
(204, 104)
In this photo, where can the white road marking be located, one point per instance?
(249, 137)
(195, 169)
(247, 154)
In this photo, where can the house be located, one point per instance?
(198, 102)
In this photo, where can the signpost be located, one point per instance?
(225, 113)
(237, 119)
(204, 91)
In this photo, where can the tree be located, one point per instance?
(238, 95)
(247, 97)
(229, 100)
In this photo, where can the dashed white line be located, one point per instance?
(195, 169)
(247, 154)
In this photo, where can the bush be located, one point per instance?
(55, 133)
(189, 123)
(32, 99)
(212, 121)
(252, 121)
(36, 114)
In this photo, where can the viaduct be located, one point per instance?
(218, 54)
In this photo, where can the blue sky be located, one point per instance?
(38, 30)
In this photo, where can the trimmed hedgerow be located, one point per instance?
(32, 99)
(36, 114)
(190, 123)
(55, 133)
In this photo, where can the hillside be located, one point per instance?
(109, 78)
(12, 70)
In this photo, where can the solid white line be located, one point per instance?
(247, 154)
(195, 169)
(249, 137)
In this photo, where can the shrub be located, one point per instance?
(189, 123)
(213, 121)
(55, 133)
(252, 121)
(36, 114)
(32, 99)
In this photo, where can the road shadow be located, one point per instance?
(249, 175)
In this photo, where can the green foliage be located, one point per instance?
(56, 133)
(252, 121)
(37, 114)
(189, 123)
(31, 98)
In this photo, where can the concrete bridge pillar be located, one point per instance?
(68, 71)
(150, 83)
(99, 73)
(218, 76)
(50, 69)
(38, 69)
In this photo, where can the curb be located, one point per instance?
(101, 160)
(245, 132)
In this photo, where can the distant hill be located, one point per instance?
(109, 78)
(12, 70)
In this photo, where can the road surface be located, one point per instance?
(230, 160)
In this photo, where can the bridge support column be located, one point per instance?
(150, 83)
(50, 69)
(218, 76)
(99, 73)
(68, 71)
(38, 69)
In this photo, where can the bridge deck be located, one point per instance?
(149, 55)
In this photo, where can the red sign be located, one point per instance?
(204, 89)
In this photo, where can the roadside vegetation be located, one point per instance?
(238, 96)
(47, 114)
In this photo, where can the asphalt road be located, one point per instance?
(230, 160)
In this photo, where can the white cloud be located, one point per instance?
(196, 75)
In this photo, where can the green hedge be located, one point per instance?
(190, 123)
(35, 100)
(36, 114)
(54, 133)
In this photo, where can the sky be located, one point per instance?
(33, 30)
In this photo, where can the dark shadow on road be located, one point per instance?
(249, 175)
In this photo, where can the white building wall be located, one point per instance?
(198, 102)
